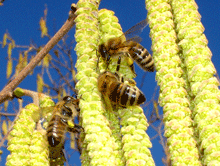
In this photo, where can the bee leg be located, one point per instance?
(108, 61)
(97, 67)
(131, 82)
(77, 128)
(75, 94)
(118, 63)
(122, 79)
(79, 143)
(114, 106)
(132, 69)
(107, 64)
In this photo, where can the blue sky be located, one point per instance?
(21, 20)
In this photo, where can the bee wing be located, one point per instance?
(137, 39)
(134, 32)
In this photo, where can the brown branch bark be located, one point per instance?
(7, 92)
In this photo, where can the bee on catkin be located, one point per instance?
(119, 93)
(118, 47)
(63, 114)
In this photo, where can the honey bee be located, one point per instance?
(63, 115)
(118, 92)
(130, 47)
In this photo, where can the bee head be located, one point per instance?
(102, 50)
(105, 78)
(68, 98)
(72, 105)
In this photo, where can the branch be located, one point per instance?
(7, 114)
(7, 92)
(19, 92)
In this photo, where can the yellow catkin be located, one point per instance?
(202, 84)
(173, 95)
(98, 143)
(135, 143)
(40, 83)
(21, 136)
(4, 40)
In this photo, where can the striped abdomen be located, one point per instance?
(142, 57)
(125, 95)
(56, 131)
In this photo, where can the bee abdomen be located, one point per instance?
(114, 92)
(56, 131)
(125, 95)
(142, 57)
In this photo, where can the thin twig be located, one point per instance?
(11, 127)
(7, 92)
(7, 114)
(62, 76)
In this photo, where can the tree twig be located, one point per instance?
(7, 114)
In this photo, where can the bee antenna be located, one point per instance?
(80, 97)
(74, 95)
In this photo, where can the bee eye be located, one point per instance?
(67, 98)
(66, 112)
(102, 50)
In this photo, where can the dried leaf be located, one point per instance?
(74, 75)
(9, 68)
(5, 105)
(40, 83)
(25, 59)
(4, 127)
(56, 52)
(13, 43)
(45, 12)
(9, 123)
(20, 60)
(64, 92)
(58, 96)
(156, 109)
(19, 66)
(43, 27)
(4, 40)
(9, 50)
(46, 60)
